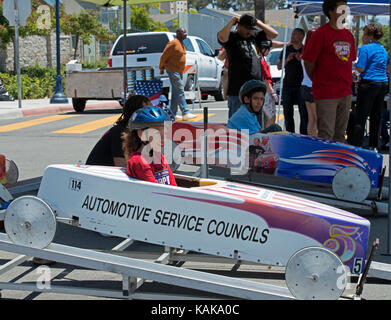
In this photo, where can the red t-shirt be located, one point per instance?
(139, 168)
(266, 75)
(332, 51)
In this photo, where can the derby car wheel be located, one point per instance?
(352, 184)
(315, 273)
(29, 221)
(12, 173)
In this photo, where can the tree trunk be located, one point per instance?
(259, 8)
(76, 45)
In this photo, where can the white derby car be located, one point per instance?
(203, 215)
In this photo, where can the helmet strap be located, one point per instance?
(252, 109)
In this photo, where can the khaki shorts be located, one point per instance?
(333, 117)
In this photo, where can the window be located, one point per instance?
(273, 57)
(205, 49)
(153, 43)
(188, 45)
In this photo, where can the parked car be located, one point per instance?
(145, 49)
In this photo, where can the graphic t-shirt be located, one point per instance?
(157, 171)
(332, 51)
(244, 64)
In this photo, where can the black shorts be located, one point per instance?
(306, 93)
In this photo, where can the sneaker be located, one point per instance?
(188, 116)
(177, 117)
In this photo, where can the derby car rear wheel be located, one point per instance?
(29, 221)
(352, 184)
(315, 273)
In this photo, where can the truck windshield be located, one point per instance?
(152, 43)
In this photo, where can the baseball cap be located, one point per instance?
(248, 21)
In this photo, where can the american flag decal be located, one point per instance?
(150, 88)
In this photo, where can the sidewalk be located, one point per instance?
(35, 107)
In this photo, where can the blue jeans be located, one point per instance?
(178, 93)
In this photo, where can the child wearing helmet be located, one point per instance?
(252, 95)
(143, 146)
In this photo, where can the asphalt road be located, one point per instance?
(36, 142)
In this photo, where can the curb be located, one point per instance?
(58, 109)
(21, 113)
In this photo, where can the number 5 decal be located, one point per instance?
(342, 235)
(357, 265)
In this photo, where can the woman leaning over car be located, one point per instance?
(373, 65)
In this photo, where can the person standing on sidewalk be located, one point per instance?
(292, 82)
(244, 64)
(373, 62)
(173, 60)
(306, 93)
(222, 56)
(328, 63)
(271, 97)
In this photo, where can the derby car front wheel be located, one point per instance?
(29, 221)
(315, 273)
(352, 184)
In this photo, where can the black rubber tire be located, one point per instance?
(219, 94)
(79, 104)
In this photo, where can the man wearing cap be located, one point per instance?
(244, 63)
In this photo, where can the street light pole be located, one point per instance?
(59, 96)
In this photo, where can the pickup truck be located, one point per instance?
(145, 48)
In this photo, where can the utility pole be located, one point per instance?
(259, 7)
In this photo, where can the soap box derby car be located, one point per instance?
(204, 215)
(281, 154)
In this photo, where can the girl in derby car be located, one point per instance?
(143, 146)
(373, 64)
(108, 150)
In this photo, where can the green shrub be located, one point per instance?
(95, 65)
(37, 82)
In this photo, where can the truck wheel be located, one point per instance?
(79, 104)
(219, 94)
(189, 86)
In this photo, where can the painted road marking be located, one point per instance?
(199, 117)
(89, 126)
(31, 123)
